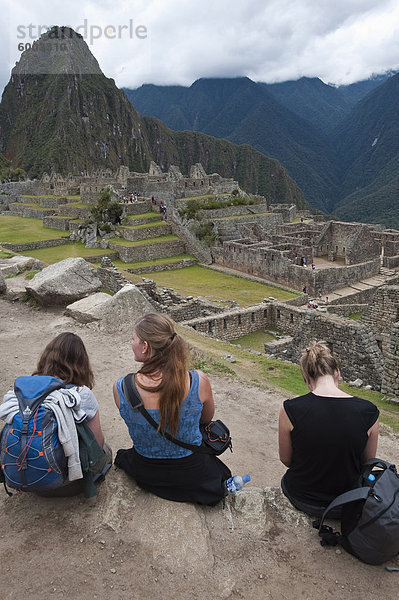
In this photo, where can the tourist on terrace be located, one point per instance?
(324, 436)
(178, 400)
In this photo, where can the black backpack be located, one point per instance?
(370, 515)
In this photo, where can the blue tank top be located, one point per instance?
(148, 441)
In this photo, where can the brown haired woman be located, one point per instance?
(324, 436)
(66, 357)
(179, 401)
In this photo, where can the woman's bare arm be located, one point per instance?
(95, 426)
(284, 438)
(371, 447)
(206, 397)
(116, 395)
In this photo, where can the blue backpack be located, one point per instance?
(31, 455)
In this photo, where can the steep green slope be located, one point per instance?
(255, 172)
(368, 140)
(245, 112)
(321, 104)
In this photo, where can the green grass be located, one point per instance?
(73, 197)
(56, 253)
(6, 254)
(255, 340)
(30, 274)
(147, 215)
(20, 230)
(213, 367)
(238, 217)
(145, 225)
(148, 263)
(355, 316)
(157, 240)
(213, 285)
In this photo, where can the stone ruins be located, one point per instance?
(346, 268)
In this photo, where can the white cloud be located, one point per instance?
(268, 40)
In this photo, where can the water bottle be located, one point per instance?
(236, 483)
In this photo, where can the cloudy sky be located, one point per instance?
(179, 41)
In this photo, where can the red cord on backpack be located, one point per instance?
(24, 452)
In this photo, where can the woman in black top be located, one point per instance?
(324, 436)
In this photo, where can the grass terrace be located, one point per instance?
(119, 264)
(73, 197)
(147, 215)
(216, 286)
(22, 230)
(255, 340)
(75, 250)
(157, 240)
(145, 225)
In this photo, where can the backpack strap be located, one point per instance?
(329, 537)
(351, 496)
(132, 395)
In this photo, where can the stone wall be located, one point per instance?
(390, 382)
(52, 202)
(36, 245)
(232, 211)
(352, 343)
(109, 275)
(275, 263)
(148, 252)
(232, 324)
(353, 242)
(382, 313)
(17, 188)
(181, 264)
(145, 233)
(391, 262)
(56, 222)
(344, 310)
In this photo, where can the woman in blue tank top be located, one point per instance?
(178, 400)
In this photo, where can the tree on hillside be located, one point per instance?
(106, 213)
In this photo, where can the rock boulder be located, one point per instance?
(113, 312)
(64, 282)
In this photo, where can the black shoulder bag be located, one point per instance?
(215, 435)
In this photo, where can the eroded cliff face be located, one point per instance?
(60, 113)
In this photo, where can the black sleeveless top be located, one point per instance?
(328, 441)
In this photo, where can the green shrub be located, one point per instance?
(205, 232)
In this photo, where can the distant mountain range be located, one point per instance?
(340, 144)
(60, 113)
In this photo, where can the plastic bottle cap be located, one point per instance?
(246, 478)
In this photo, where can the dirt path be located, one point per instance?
(87, 552)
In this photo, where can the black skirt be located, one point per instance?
(197, 478)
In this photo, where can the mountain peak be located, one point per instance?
(59, 51)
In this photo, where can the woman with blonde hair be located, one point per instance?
(178, 400)
(324, 436)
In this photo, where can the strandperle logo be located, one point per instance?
(89, 32)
